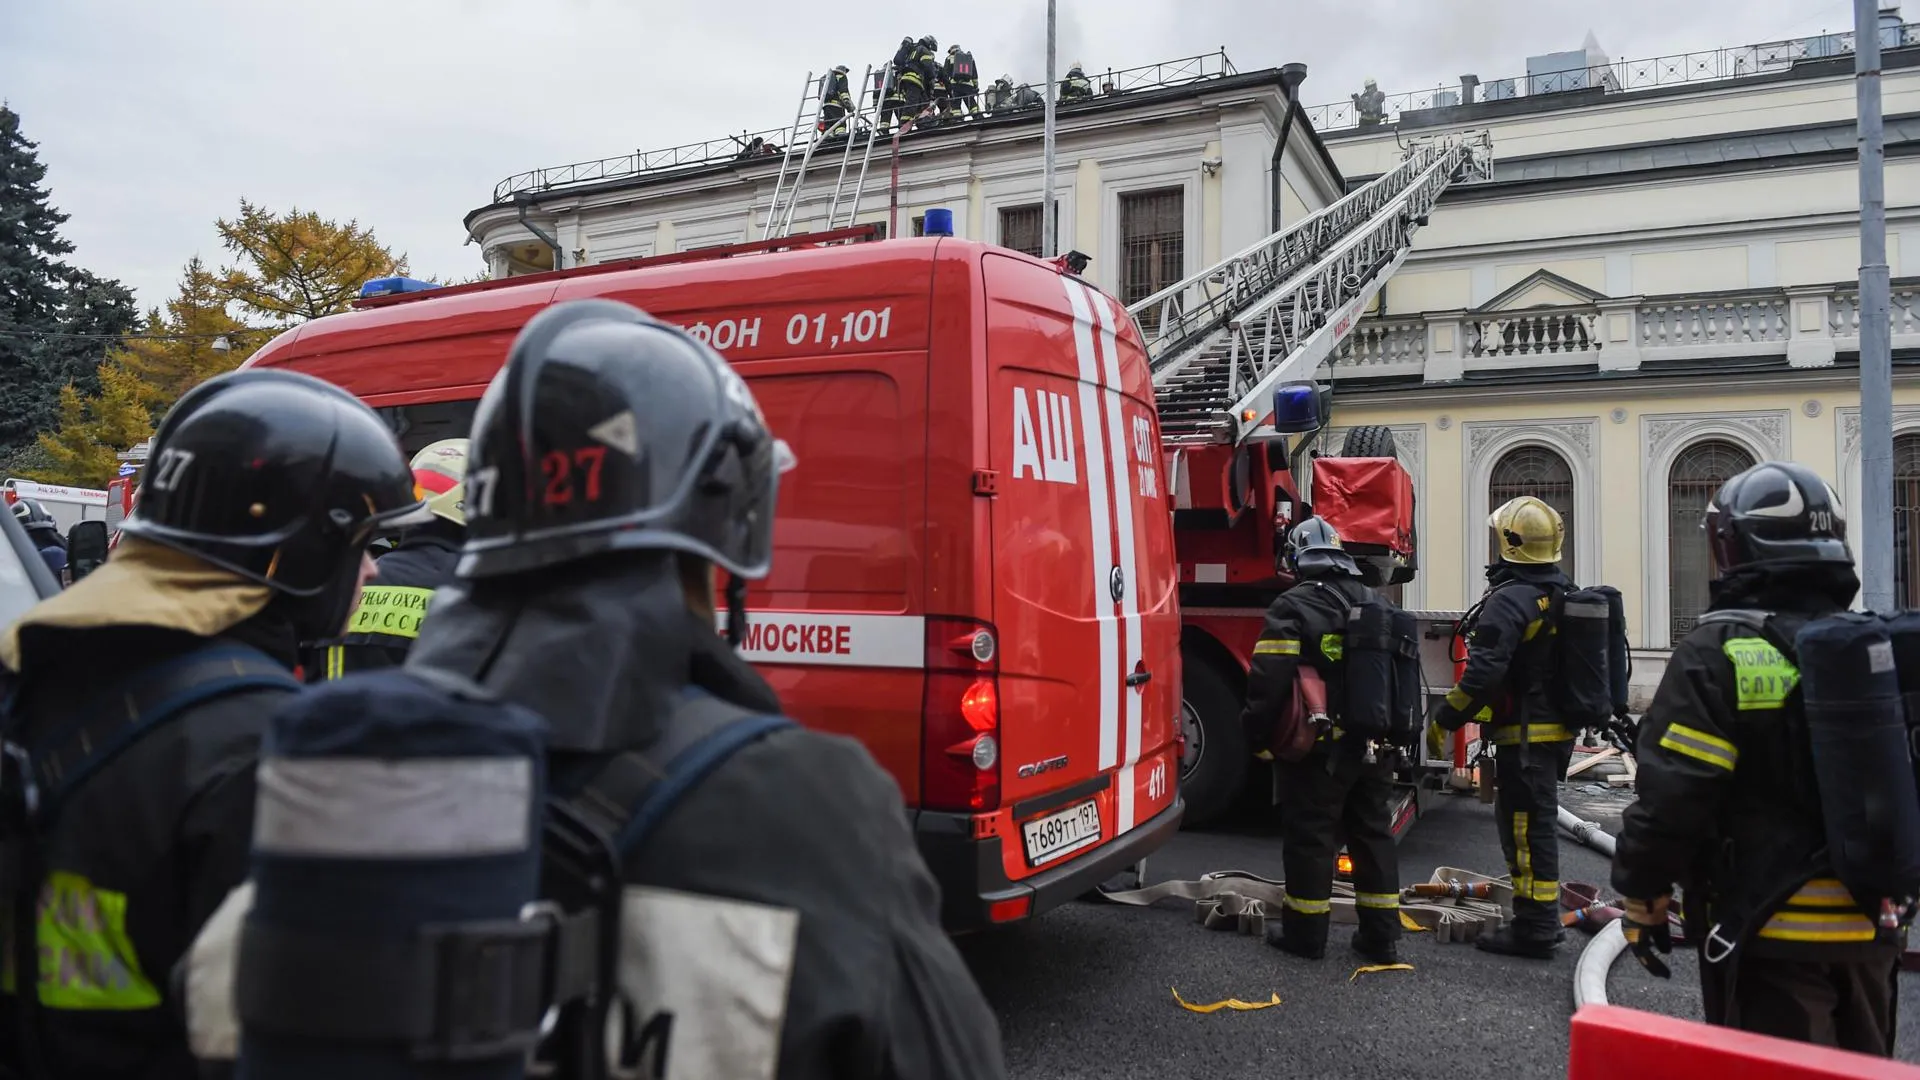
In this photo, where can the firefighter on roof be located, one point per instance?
(1371, 104)
(1506, 687)
(1075, 87)
(836, 101)
(1332, 783)
(962, 77)
(394, 604)
(1729, 803)
(255, 511)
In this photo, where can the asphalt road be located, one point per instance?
(1085, 991)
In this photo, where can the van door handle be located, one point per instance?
(1139, 678)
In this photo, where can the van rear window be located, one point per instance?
(418, 426)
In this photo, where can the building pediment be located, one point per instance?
(1542, 288)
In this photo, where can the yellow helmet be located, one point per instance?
(439, 477)
(1529, 531)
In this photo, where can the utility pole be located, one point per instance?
(1876, 343)
(1049, 227)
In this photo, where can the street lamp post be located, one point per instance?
(1876, 331)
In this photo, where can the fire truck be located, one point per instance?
(68, 504)
(1031, 535)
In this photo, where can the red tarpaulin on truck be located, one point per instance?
(1370, 500)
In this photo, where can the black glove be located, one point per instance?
(1646, 930)
(1448, 718)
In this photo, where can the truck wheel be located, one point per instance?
(1214, 760)
(1370, 441)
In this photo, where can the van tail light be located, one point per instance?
(960, 717)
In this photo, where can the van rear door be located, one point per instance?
(1082, 565)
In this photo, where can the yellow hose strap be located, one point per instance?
(1407, 922)
(1371, 968)
(1231, 1003)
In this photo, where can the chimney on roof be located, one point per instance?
(1469, 87)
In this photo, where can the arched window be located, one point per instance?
(1906, 522)
(1696, 475)
(1543, 474)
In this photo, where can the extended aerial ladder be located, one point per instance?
(1222, 340)
(857, 130)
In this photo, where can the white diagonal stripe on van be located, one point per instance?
(1128, 561)
(1100, 512)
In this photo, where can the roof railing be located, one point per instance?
(751, 144)
(1619, 77)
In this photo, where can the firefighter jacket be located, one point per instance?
(1305, 625)
(925, 67)
(836, 91)
(144, 851)
(1510, 657)
(393, 605)
(1727, 806)
(784, 893)
(907, 67)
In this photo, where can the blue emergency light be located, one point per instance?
(1296, 409)
(938, 223)
(389, 286)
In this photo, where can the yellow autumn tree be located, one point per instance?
(195, 339)
(288, 268)
(298, 265)
(93, 430)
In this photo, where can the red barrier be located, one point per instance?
(1610, 1042)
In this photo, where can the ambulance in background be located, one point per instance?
(974, 571)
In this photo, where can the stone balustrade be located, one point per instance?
(1808, 325)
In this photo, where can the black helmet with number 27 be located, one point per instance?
(609, 430)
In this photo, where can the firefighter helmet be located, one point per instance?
(275, 476)
(1314, 547)
(439, 481)
(1776, 512)
(930, 43)
(1529, 531)
(609, 430)
(29, 512)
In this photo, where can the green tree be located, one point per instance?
(56, 322)
(298, 265)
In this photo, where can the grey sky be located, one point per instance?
(154, 118)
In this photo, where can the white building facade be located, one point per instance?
(1153, 182)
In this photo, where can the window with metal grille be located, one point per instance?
(1696, 474)
(1152, 245)
(1906, 521)
(1543, 474)
(1020, 228)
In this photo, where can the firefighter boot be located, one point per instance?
(1375, 952)
(1305, 936)
(1516, 939)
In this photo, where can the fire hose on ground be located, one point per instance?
(1590, 975)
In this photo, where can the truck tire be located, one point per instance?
(1370, 441)
(1214, 762)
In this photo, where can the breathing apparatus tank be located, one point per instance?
(1584, 687)
(1850, 687)
(1904, 631)
(1384, 699)
(394, 933)
(1619, 661)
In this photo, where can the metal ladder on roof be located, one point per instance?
(857, 129)
(1220, 341)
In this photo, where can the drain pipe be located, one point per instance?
(1291, 76)
(523, 200)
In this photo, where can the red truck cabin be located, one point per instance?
(973, 572)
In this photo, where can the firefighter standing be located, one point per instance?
(912, 79)
(44, 532)
(836, 101)
(1370, 104)
(1505, 688)
(1340, 789)
(962, 77)
(255, 511)
(1075, 87)
(1729, 806)
(394, 604)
